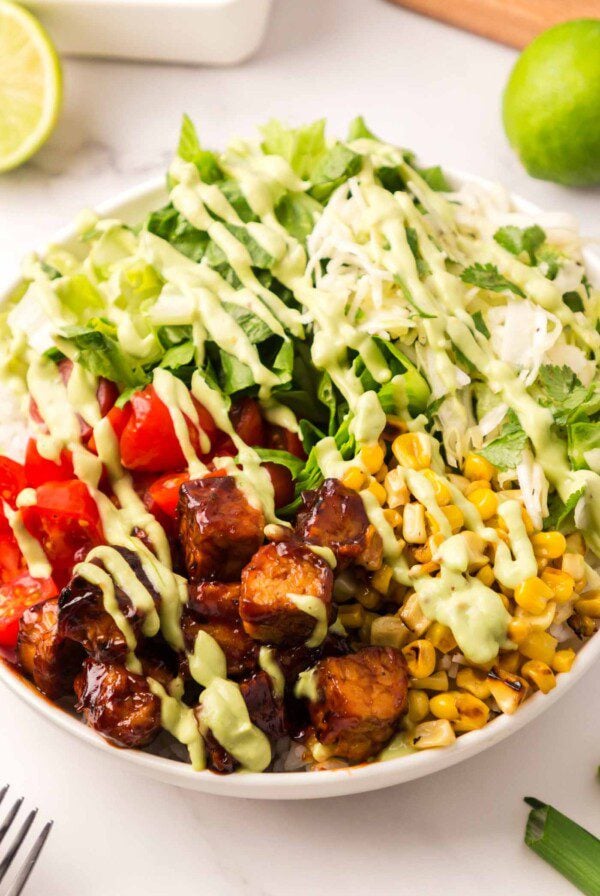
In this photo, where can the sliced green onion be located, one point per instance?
(569, 848)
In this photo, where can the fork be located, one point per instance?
(32, 856)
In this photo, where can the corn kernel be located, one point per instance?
(476, 484)
(486, 575)
(393, 517)
(563, 660)
(438, 733)
(381, 473)
(351, 615)
(454, 516)
(540, 674)
(354, 478)
(574, 565)
(418, 706)
(396, 488)
(542, 621)
(412, 615)
(532, 595)
(508, 690)
(413, 524)
(372, 457)
(548, 545)
(364, 631)
(472, 713)
(509, 661)
(412, 450)
(529, 527)
(389, 631)
(560, 583)
(477, 467)
(539, 645)
(378, 492)
(443, 706)
(381, 579)
(441, 491)
(589, 604)
(436, 682)
(474, 681)
(368, 597)
(422, 553)
(518, 629)
(485, 501)
(420, 658)
(441, 637)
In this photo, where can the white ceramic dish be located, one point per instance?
(211, 32)
(132, 207)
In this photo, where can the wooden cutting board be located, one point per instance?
(512, 22)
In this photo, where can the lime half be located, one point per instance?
(30, 85)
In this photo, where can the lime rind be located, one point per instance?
(30, 85)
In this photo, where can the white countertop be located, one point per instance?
(433, 89)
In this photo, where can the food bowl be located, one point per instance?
(132, 207)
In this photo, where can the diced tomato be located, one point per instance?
(280, 439)
(163, 494)
(118, 417)
(16, 597)
(11, 559)
(248, 423)
(66, 522)
(39, 470)
(283, 484)
(148, 441)
(12, 480)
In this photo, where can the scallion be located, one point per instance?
(569, 848)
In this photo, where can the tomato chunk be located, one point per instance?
(66, 522)
(16, 597)
(118, 418)
(12, 563)
(39, 469)
(248, 423)
(162, 496)
(283, 484)
(12, 480)
(149, 442)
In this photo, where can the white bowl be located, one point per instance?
(211, 32)
(132, 207)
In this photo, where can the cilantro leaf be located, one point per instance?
(516, 240)
(560, 390)
(506, 451)
(584, 444)
(487, 276)
(559, 511)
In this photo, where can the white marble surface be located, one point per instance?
(428, 87)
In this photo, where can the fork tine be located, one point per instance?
(4, 827)
(16, 844)
(3, 792)
(32, 856)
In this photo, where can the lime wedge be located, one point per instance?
(30, 85)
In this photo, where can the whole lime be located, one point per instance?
(551, 106)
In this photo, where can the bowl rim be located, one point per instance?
(298, 784)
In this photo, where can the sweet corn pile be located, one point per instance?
(550, 613)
